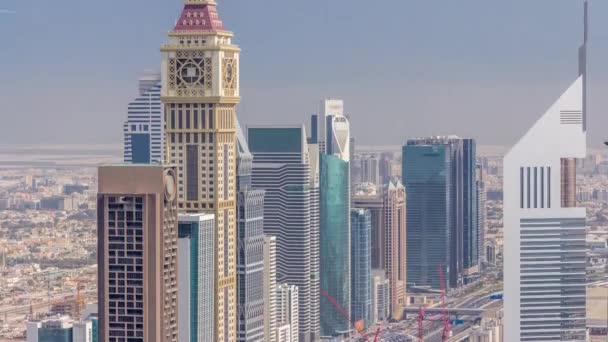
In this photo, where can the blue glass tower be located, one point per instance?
(439, 175)
(361, 265)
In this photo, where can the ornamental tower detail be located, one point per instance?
(200, 91)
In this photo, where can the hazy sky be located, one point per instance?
(480, 68)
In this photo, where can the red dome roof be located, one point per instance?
(203, 17)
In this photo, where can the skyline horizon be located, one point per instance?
(440, 80)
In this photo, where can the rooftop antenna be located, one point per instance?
(582, 61)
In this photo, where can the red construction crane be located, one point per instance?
(444, 313)
(420, 324)
(358, 325)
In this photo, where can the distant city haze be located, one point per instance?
(475, 68)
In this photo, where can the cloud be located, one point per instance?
(7, 11)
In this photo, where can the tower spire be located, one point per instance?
(582, 60)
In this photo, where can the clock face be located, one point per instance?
(190, 73)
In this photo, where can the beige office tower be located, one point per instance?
(394, 265)
(200, 92)
(137, 253)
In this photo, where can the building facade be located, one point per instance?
(137, 233)
(270, 288)
(381, 290)
(287, 312)
(375, 205)
(544, 231)
(286, 167)
(395, 245)
(333, 139)
(196, 284)
(144, 134)
(200, 92)
(370, 170)
(250, 248)
(361, 266)
(440, 176)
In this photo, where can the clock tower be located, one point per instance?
(200, 92)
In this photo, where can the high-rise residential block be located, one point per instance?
(381, 291)
(200, 92)
(395, 250)
(137, 233)
(196, 284)
(544, 231)
(287, 168)
(439, 175)
(250, 249)
(270, 288)
(144, 133)
(287, 312)
(361, 266)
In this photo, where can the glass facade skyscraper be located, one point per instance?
(333, 138)
(335, 239)
(439, 175)
(286, 167)
(361, 265)
(195, 276)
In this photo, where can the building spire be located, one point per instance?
(582, 61)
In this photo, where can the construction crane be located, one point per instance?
(358, 325)
(444, 314)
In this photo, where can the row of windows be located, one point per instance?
(191, 119)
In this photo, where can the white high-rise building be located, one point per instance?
(270, 285)
(144, 132)
(544, 251)
(287, 312)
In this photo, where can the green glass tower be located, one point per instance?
(335, 239)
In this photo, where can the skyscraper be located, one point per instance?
(370, 170)
(286, 168)
(381, 289)
(375, 205)
(481, 213)
(333, 133)
(250, 248)
(270, 288)
(361, 266)
(544, 249)
(395, 249)
(200, 91)
(137, 232)
(287, 311)
(439, 175)
(196, 284)
(470, 218)
(144, 134)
